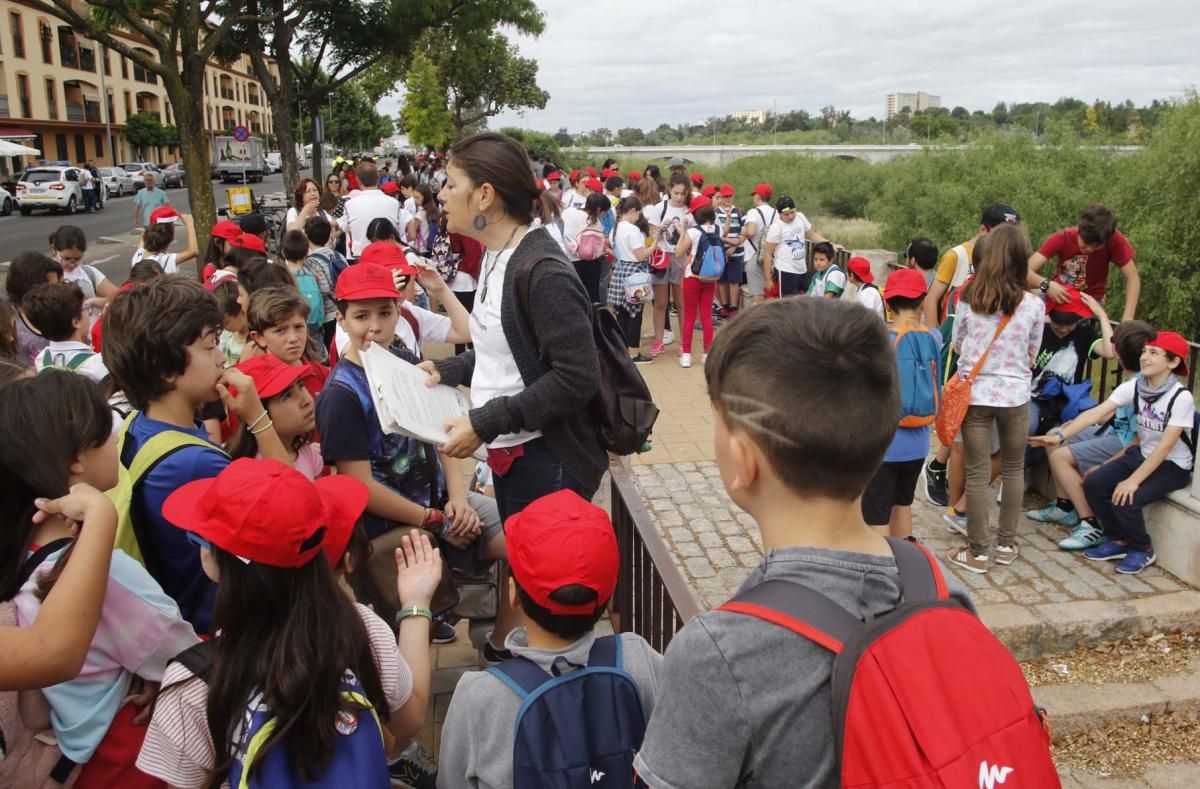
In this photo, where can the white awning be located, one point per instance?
(13, 149)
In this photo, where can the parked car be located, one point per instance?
(118, 182)
(274, 162)
(173, 175)
(138, 170)
(7, 203)
(54, 187)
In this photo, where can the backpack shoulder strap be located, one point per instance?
(1189, 433)
(800, 609)
(521, 675)
(78, 360)
(412, 321)
(198, 658)
(37, 557)
(920, 577)
(608, 652)
(663, 215)
(162, 445)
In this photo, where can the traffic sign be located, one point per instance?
(241, 133)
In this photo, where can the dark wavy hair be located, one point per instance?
(298, 192)
(289, 634)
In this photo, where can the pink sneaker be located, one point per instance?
(656, 350)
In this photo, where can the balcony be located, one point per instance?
(4, 107)
(87, 112)
(227, 93)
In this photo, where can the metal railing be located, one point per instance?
(652, 599)
(3, 106)
(1110, 375)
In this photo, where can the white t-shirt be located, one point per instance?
(165, 259)
(62, 354)
(88, 278)
(410, 205)
(868, 296)
(666, 215)
(762, 217)
(790, 250)
(574, 219)
(496, 373)
(557, 231)
(86, 179)
(629, 239)
(1153, 419)
(366, 206)
(572, 199)
(434, 328)
(292, 213)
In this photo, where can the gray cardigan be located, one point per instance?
(556, 356)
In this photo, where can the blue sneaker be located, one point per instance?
(1054, 514)
(1136, 561)
(1084, 536)
(1106, 551)
(956, 521)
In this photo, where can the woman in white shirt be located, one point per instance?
(632, 252)
(306, 202)
(999, 319)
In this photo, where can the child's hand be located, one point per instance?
(434, 376)
(430, 279)
(464, 520)
(1123, 494)
(418, 570)
(82, 503)
(142, 693)
(1093, 305)
(245, 403)
(1045, 442)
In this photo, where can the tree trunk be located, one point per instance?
(279, 96)
(313, 102)
(195, 147)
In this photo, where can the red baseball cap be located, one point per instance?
(763, 190)
(727, 190)
(907, 283)
(163, 215)
(709, 190)
(634, 175)
(390, 188)
(1174, 344)
(559, 540)
(362, 281)
(553, 175)
(387, 254)
(594, 184)
(608, 173)
(574, 175)
(698, 202)
(270, 375)
(265, 511)
(226, 229)
(249, 241)
(592, 172)
(861, 268)
(1074, 304)
(697, 178)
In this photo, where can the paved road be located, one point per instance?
(114, 222)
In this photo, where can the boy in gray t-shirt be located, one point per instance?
(744, 702)
(563, 554)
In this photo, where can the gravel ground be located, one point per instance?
(1126, 749)
(1135, 659)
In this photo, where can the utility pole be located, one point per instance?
(775, 116)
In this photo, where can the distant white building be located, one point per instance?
(750, 116)
(915, 102)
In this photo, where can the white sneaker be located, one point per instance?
(668, 337)
(999, 492)
(685, 360)
(648, 335)
(704, 359)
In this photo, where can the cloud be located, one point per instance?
(619, 63)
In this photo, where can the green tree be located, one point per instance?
(630, 136)
(144, 131)
(426, 112)
(564, 138)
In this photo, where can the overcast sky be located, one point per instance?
(619, 63)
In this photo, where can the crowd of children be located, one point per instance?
(282, 564)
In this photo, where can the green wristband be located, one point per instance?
(412, 610)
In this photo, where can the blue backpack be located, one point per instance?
(359, 758)
(580, 729)
(917, 356)
(307, 284)
(709, 261)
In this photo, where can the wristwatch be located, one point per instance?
(1062, 438)
(1044, 285)
(413, 610)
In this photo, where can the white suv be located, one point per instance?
(54, 187)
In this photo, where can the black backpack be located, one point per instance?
(623, 410)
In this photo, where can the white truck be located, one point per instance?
(238, 162)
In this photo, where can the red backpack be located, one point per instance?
(923, 696)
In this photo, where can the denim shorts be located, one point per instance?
(1090, 450)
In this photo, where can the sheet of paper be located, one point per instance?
(404, 403)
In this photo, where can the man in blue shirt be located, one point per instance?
(146, 200)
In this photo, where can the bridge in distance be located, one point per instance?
(721, 155)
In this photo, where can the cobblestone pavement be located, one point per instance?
(715, 544)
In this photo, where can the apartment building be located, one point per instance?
(57, 89)
(915, 102)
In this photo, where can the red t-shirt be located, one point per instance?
(1088, 273)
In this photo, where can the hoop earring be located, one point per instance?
(479, 222)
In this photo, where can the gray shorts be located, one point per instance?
(672, 274)
(995, 438)
(1090, 450)
(756, 278)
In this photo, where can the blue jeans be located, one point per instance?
(89, 199)
(535, 474)
(1126, 522)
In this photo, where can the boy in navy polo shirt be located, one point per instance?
(161, 347)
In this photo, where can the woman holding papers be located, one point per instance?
(533, 370)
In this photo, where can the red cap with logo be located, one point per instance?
(163, 215)
(388, 254)
(907, 283)
(697, 178)
(1074, 304)
(561, 540)
(361, 282)
(698, 202)
(270, 375)
(727, 190)
(249, 241)
(861, 268)
(763, 190)
(1174, 344)
(265, 511)
(226, 229)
